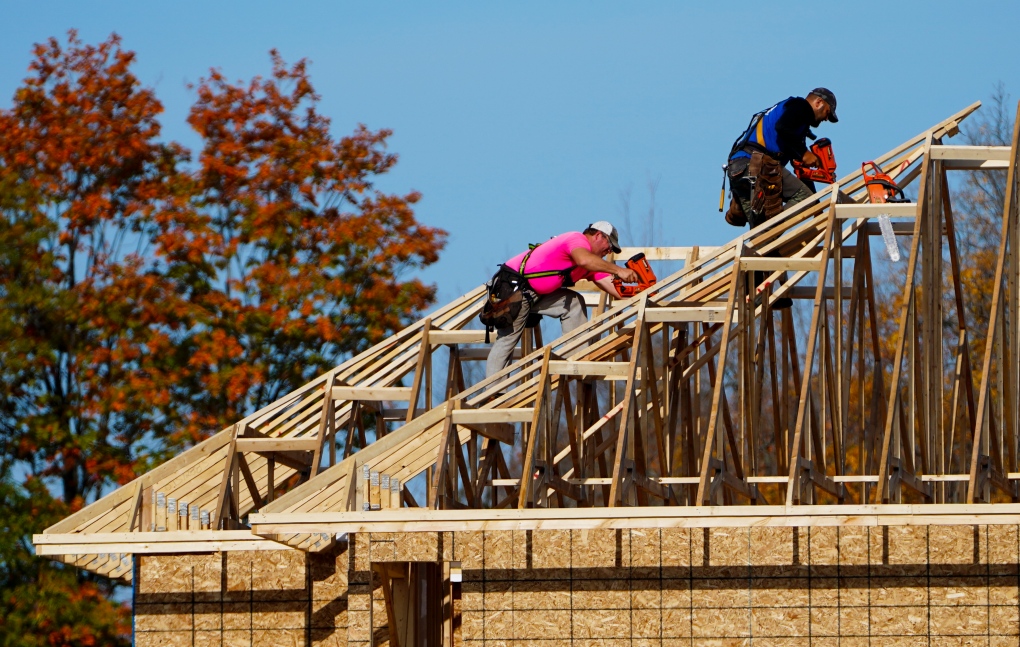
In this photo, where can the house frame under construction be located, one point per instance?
(691, 467)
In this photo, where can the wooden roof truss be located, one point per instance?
(695, 403)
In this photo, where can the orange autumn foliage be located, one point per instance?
(149, 296)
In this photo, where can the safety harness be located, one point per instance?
(506, 292)
(764, 173)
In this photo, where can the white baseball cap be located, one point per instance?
(609, 230)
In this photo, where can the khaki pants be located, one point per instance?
(566, 305)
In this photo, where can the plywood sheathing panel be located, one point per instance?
(163, 578)
(361, 553)
(1003, 548)
(208, 639)
(768, 603)
(953, 544)
(472, 625)
(550, 554)
(885, 577)
(408, 547)
(824, 592)
(640, 586)
(676, 546)
(532, 624)
(165, 616)
(779, 622)
(595, 553)
(823, 545)
(242, 598)
(163, 639)
(854, 545)
(780, 592)
(1004, 620)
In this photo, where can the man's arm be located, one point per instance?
(583, 258)
(606, 285)
(792, 127)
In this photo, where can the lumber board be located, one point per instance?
(949, 152)
(732, 516)
(439, 337)
(588, 368)
(751, 263)
(482, 416)
(708, 314)
(893, 210)
(371, 393)
(276, 444)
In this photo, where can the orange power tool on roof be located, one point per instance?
(826, 170)
(881, 187)
(646, 277)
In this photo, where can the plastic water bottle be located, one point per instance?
(889, 238)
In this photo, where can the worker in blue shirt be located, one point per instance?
(760, 183)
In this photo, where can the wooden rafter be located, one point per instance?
(684, 403)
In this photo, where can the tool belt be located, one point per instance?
(767, 190)
(504, 300)
(507, 291)
(764, 173)
(735, 213)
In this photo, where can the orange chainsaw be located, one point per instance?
(646, 277)
(881, 187)
(826, 170)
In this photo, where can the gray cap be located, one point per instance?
(610, 231)
(830, 99)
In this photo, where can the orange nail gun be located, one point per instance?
(881, 187)
(826, 170)
(646, 277)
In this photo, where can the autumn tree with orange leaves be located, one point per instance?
(149, 297)
(308, 259)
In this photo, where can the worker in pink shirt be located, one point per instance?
(546, 272)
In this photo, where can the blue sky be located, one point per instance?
(518, 121)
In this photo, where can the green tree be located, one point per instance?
(45, 604)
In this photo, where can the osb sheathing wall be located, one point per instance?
(242, 598)
(850, 585)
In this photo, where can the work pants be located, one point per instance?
(794, 190)
(566, 305)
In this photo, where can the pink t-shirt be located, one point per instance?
(554, 254)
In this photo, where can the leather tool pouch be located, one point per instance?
(504, 300)
(735, 213)
(767, 194)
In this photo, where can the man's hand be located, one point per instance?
(627, 275)
(810, 159)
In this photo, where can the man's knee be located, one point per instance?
(576, 305)
(576, 311)
(794, 190)
(800, 195)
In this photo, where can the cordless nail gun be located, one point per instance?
(646, 277)
(826, 170)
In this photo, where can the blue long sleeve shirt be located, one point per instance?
(782, 130)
